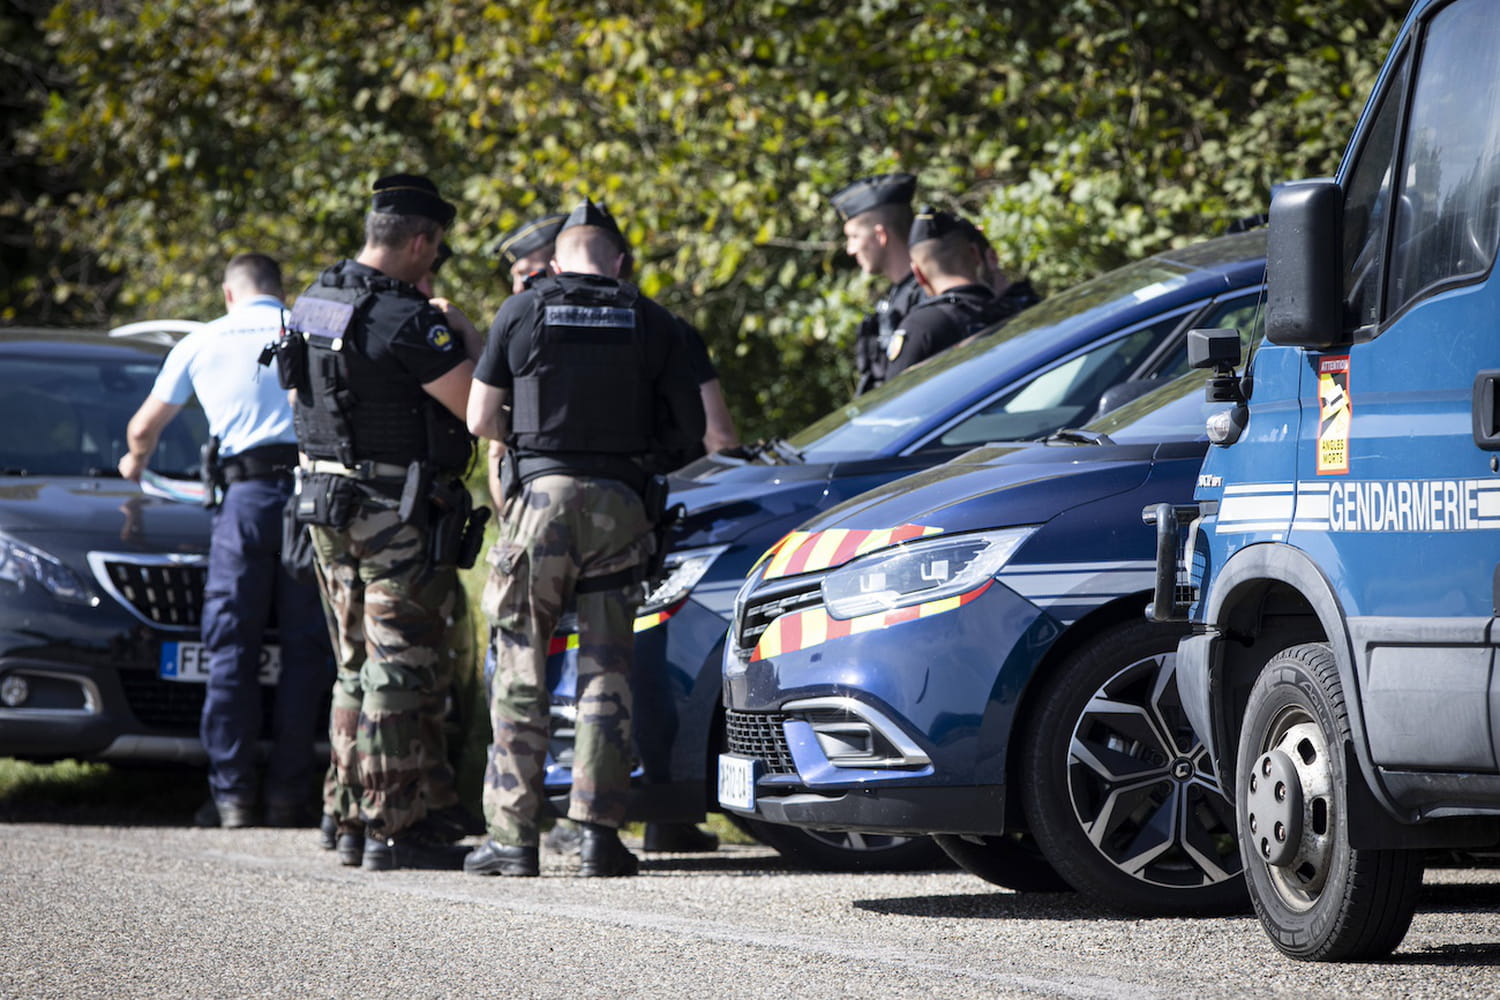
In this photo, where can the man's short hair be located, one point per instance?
(597, 244)
(896, 218)
(953, 254)
(391, 231)
(256, 270)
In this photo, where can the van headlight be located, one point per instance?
(917, 572)
(683, 568)
(27, 566)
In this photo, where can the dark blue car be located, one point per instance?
(1055, 365)
(964, 652)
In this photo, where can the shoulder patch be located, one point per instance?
(440, 337)
(898, 341)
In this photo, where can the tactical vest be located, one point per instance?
(583, 387)
(352, 410)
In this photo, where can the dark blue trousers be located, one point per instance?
(245, 581)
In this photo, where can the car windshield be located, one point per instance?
(65, 415)
(875, 422)
(1175, 412)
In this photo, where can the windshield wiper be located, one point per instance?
(1077, 435)
(784, 451)
(773, 452)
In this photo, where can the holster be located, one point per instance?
(455, 528)
(415, 491)
(297, 556)
(290, 352)
(210, 472)
(326, 500)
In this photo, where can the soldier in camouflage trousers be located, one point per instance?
(556, 534)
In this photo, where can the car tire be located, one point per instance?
(848, 852)
(1318, 898)
(1013, 861)
(1119, 790)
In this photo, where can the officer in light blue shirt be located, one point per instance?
(249, 413)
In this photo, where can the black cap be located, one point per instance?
(872, 192)
(444, 252)
(529, 237)
(931, 224)
(411, 194)
(974, 233)
(589, 214)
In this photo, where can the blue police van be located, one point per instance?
(1341, 567)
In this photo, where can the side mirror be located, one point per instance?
(1216, 349)
(1304, 266)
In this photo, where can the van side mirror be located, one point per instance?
(1304, 266)
(1219, 350)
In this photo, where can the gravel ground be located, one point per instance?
(90, 911)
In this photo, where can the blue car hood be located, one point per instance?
(69, 517)
(728, 501)
(996, 487)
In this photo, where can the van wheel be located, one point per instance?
(1318, 898)
(846, 851)
(1118, 788)
(1013, 861)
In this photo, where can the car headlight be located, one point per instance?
(28, 566)
(917, 572)
(684, 568)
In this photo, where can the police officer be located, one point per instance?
(877, 216)
(597, 383)
(526, 251)
(249, 415)
(1018, 293)
(382, 383)
(950, 268)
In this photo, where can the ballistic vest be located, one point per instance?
(583, 388)
(354, 410)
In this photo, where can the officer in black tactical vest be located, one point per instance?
(877, 215)
(381, 388)
(587, 382)
(950, 268)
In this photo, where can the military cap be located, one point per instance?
(529, 237)
(931, 224)
(872, 192)
(411, 194)
(589, 214)
(974, 233)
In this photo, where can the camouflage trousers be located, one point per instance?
(389, 619)
(557, 532)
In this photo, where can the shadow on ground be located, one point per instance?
(71, 792)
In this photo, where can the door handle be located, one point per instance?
(1486, 410)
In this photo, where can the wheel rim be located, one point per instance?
(1142, 786)
(1289, 807)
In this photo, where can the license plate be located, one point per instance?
(187, 663)
(737, 781)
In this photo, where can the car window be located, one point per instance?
(67, 416)
(1064, 396)
(893, 413)
(1177, 411)
(1448, 189)
(1245, 313)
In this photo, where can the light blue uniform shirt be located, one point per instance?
(219, 363)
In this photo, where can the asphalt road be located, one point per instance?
(90, 911)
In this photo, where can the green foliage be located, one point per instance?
(1080, 133)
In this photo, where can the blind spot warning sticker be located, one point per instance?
(1333, 415)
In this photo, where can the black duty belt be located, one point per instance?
(269, 461)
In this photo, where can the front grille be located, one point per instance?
(760, 735)
(160, 591)
(763, 608)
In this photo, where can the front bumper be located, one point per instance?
(902, 729)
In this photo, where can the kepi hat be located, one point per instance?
(871, 192)
(411, 194)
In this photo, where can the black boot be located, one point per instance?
(414, 847)
(602, 853)
(491, 858)
(679, 838)
(328, 832)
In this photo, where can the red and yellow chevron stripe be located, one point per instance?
(809, 551)
(563, 643)
(801, 630)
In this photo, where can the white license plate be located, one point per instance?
(187, 662)
(737, 781)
